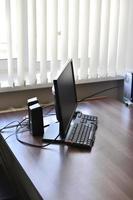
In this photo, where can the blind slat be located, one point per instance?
(113, 37)
(9, 42)
(54, 37)
(22, 40)
(122, 37)
(84, 38)
(95, 20)
(73, 33)
(64, 31)
(43, 41)
(129, 53)
(104, 38)
(32, 40)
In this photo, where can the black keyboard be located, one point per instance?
(82, 132)
(83, 118)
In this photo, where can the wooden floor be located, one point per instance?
(6, 192)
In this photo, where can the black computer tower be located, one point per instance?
(36, 120)
(128, 87)
(31, 102)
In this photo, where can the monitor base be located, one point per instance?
(51, 133)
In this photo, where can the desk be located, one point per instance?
(65, 173)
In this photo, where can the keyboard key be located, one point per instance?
(82, 136)
(82, 132)
(83, 118)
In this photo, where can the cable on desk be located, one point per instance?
(51, 107)
(33, 145)
(48, 105)
(8, 126)
(9, 136)
(13, 126)
(50, 114)
(99, 92)
(18, 126)
(14, 133)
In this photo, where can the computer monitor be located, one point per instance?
(65, 97)
(64, 92)
(65, 106)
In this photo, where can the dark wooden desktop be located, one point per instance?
(66, 173)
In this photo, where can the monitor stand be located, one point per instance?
(51, 133)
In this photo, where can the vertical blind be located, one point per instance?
(42, 34)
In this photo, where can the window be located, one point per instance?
(38, 36)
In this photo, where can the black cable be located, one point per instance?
(18, 126)
(46, 126)
(14, 134)
(50, 114)
(13, 126)
(8, 125)
(9, 136)
(33, 145)
(48, 105)
(99, 92)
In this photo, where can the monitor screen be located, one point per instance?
(65, 97)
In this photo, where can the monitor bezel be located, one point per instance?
(58, 108)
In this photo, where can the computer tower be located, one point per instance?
(128, 87)
(36, 120)
(31, 102)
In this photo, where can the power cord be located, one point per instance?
(18, 127)
(33, 145)
(12, 126)
(99, 92)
